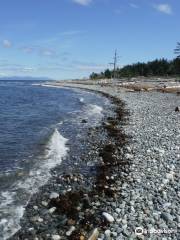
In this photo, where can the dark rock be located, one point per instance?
(84, 121)
(177, 109)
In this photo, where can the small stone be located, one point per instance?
(45, 204)
(177, 109)
(118, 220)
(94, 235)
(166, 205)
(129, 156)
(114, 234)
(84, 121)
(40, 219)
(56, 237)
(128, 149)
(70, 231)
(35, 207)
(82, 238)
(165, 181)
(167, 217)
(124, 221)
(71, 222)
(108, 217)
(118, 210)
(107, 233)
(178, 219)
(54, 195)
(52, 210)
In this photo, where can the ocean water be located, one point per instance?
(38, 126)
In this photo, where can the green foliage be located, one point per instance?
(158, 67)
(177, 50)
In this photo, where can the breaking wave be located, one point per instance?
(12, 203)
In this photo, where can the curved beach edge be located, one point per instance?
(134, 190)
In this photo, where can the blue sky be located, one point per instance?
(64, 39)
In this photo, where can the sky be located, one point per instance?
(65, 39)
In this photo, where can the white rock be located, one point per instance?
(165, 181)
(114, 234)
(52, 210)
(108, 217)
(118, 210)
(161, 151)
(45, 204)
(71, 230)
(128, 149)
(107, 233)
(40, 219)
(35, 207)
(166, 205)
(118, 220)
(54, 195)
(56, 237)
(170, 175)
(124, 221)
(94, 235)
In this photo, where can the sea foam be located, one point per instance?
(55, 151)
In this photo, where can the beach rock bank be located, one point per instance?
(135, 192)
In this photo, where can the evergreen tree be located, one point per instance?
(177, 50)
(107, 73)
(158, 67)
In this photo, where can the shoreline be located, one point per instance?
(136, 205)
(101, 172)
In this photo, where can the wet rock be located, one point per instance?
(177, 109)
(44, 203)
(54, 195)
(129, 156)
(70, 231)
(108, 217)
(84, 121)
(56, 237)
(94, 235)
(39, 219)
(71, 222)
(167, 217)
(52, 210)
(108, 234)
(82, 237)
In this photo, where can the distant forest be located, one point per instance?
(161, 67)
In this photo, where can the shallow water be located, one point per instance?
(38, 125)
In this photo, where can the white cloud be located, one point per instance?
(28, 69)
(3, 74)
(164, 8)
(27, 49)
(48, 52)
(6, 43)
(83, 2)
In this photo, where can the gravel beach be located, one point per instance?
(135, 198)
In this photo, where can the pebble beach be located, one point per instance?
(131, 189)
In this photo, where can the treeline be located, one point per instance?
(158, 67)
